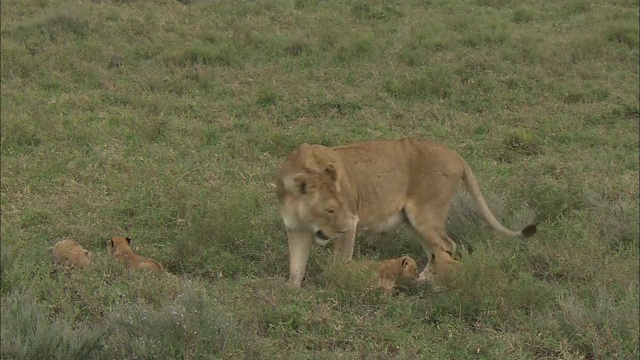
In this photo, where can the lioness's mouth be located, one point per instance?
(322, 236)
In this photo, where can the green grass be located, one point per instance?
(165, 121)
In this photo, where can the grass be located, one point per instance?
(165, 121)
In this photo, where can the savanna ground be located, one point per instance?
(165, 121)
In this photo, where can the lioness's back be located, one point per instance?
(398, 155)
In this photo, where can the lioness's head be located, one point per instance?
(320, 202)
(409, 268)
(118, 243)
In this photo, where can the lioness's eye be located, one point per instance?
(330, 211)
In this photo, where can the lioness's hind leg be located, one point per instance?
(429, 225)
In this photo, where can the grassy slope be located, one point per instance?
(170, 117)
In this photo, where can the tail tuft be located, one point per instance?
(529, 231)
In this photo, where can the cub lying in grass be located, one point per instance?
(373, 274)
(70, 254)
(401, 269)
(120, 249)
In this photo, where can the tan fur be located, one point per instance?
(69, 253)
(120, 249)
(394, 270)
(328, 193)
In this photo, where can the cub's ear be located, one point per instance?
(128, 240)
(297, 184)
(110, 243)
(331, 171)
(405, 261)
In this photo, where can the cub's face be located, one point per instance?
(88, 255)
(320, 206)
(409, 268)
(118, 243)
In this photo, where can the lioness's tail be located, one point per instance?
(474, 189)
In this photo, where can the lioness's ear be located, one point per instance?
(330, 170)
(405, 261)
(297, 184)
(128, 240)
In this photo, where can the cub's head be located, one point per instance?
(409, 268)
(319, 202)
(118, 243)
(83, 259)
(88, 255)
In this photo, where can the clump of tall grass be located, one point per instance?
(601, 325)
(192, 324)
(29, 331)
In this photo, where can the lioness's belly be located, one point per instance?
(380, 224)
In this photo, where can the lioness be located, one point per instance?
(69, 253)
(120, 248)
(327, 193)
(393, 270)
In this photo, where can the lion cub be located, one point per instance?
(69, 253)
(394, 270)
(120, 249)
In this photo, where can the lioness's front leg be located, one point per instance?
(299, 248)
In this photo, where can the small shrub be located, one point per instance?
(268, 96)
(20, 134)
(294, 49)
(523, 15)
(466, 226)
(366, 11)
(355, 49)
(7, 259)
(552, 199)
(28, 332)
(518, 143)
(595, 329)
(203, 54)
(357, 278)
(483, 295)
(60, 24)
(490, 34)
(152, 128)
(432, 82)
(626, 35)
(213, 245)
(575, 7)
(493, 3)
(617, 221)
(334, 108)
(191, 324)
(305, 4)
